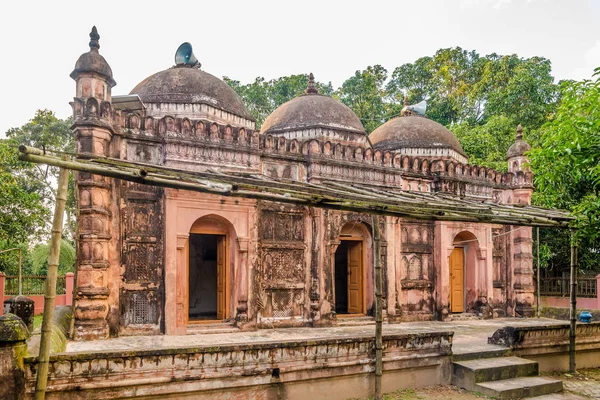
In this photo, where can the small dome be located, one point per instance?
(312, 110)
(413, 131)
(519, 147)
(92, 61)
(190, 85)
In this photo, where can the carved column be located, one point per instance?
(523, 271)
(521, 180)
(315, 261)
(242, 281)
(92, 113)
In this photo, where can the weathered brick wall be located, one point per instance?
(179, 371)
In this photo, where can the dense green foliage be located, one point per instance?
(567, 166)
(263, 97)
(41, 252)
(27, 191)
(482, 99)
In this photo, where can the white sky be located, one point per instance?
(41, 40)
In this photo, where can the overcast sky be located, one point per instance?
(41, 40)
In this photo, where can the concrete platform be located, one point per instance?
(470, 336)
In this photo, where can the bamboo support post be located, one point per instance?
(537, 241)
(57, 224)
(378, 307)
(573, 295)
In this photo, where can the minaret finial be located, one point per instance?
(94, 37)
(519, 132)
(311, 88)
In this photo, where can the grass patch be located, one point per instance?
(37, 321)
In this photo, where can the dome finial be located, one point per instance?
(94, 37)
(311, 88)
(519, 132)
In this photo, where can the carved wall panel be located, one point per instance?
(282, 272)
(284, 265)
(416, 268)
(142, 221)
(281, 226)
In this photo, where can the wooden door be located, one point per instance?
(457, 280)
(355, 281)
(221, 278)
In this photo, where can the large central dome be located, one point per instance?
(190, 85)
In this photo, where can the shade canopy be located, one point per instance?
(433, 206)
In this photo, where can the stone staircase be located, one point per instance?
(502, 377)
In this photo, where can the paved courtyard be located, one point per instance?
(469, 336)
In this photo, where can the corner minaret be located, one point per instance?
(92, 126)
(516, 153)
(521, 238)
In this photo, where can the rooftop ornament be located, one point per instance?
(94, 37)
(184, 57)
(311, 88)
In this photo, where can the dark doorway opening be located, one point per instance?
(206, 271)
(349, 278)
(341, 278)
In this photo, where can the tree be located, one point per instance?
(44, 130)
(262, 97)
(521, 89)
(567, 165)
(487, 144)
(23, 213)
(364, 93)
(41, 252)
(27, 191)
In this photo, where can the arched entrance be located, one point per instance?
(350, 272)
(462, 271)
(208, 270)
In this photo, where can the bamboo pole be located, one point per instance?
(537, 252)
(378, 307)
(57, 224)
(573, 313)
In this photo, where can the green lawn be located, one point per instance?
(37, 321)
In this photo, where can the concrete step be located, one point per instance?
(355, 321)
(218, 327)
(466, 351)
(465, 317)
(467, 374)
(517, 388)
